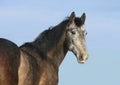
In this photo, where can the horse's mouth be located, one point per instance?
(81, 61)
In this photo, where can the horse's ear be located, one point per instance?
(83, 17)
(72, 17)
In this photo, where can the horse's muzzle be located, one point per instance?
(83, 58)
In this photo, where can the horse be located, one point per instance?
(37, 62)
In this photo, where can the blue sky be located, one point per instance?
(23, 20)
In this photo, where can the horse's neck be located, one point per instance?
(57, 55)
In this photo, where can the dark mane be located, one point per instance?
(78, 21)
(47, 39)
(50, 37)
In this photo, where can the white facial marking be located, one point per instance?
(76, 38)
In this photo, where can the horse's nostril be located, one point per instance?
(83, 57)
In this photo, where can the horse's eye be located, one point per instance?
(73, 32)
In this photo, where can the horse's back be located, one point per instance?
(9, 62)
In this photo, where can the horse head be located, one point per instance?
(76, 34)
